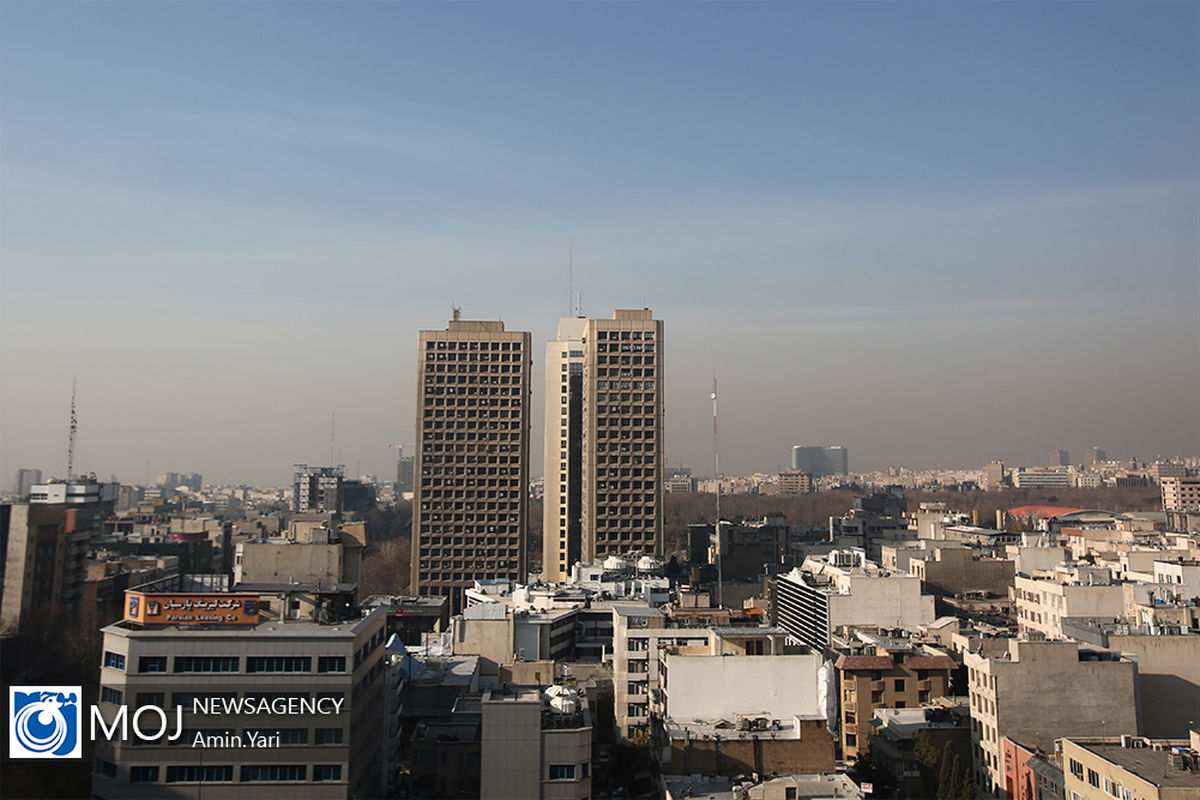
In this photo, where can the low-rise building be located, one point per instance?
(882, 672)
(1128, 767)
(844, 589)
(536, 744)
(1073, 591)
(280, 695)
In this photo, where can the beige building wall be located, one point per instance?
(563, 450)
(271, 562)
(776, 686)
(957, 570)
(1168, 669)
(511, 748)
(529, 751)
(1039, 691)
(471, 472)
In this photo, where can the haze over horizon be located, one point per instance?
(937, 234)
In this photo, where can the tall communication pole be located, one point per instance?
(71, 437)
(717, 471)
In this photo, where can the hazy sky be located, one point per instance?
(936, 233)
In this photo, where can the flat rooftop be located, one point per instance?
(781, 729)
(1145, 762)
(268, 628)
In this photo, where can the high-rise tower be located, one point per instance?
(604, 440)
(471, 474)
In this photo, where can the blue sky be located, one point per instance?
(936, 233)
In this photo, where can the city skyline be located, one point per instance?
(935, 235)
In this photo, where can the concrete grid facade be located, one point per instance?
(604, 440)
(472, 458)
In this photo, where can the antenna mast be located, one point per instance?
(571, 309)
(71, 438)
(717, 471)
(332, 429)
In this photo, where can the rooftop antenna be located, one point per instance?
(456, 313)
(572, 310)
(717, 471)
(71, 437)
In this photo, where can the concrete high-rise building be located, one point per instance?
(318, 489)
(820, 461)
(1062, 458)
(1095, 457)
(26, 480)
(472, 458)
(604, 440)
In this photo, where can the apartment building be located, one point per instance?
(1180, 493)
(1037, 691)
(639, 633)
(1073, 591)
(884, 672)
(281, 695)
(1131, 768)
(604, 440)
(844, 589)
(1181, 502)
(472, 457)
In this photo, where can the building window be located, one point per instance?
(289, 735)
(151, 699)
(143, 774)
(1093, 777)
(328, 736)
(106, 768)
(206, 663)
(152, 664)
(280, 664)
(331, 664)
(562, 772)
(196, 774)
(273, 773)
(899, 684)
(114, 660)
(327, 772)
(851, 740)
(110, 695)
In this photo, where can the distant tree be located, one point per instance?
(929, 758)
(947, 782)
(386, 569)
(964, 789)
